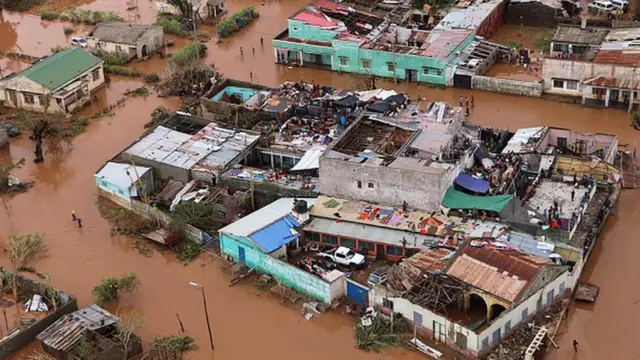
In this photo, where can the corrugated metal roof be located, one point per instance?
(504, 273)
(277, 234)
(371, 233)
(618, 57)
(603, 81)
(120, 32)
(263, 217)
(116, 174)
(66, 331)
(430, 259)
(577, 35)
(520, 140)
(442, 43)
(470, 18)
(431, 141)
(310, 159)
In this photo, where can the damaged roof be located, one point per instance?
(120, 32)
(503, 273)
(617, 57)
(66, 331)
(577, 35)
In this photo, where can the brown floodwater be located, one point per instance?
(246, 323)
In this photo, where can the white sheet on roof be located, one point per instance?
(310, 160)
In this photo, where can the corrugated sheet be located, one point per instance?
(520, 140)
(440, 44)
(618, 57)
(504, 273)
(371, 233)
(66, 331)
(577, 35)
(310, 160)
(277, 234)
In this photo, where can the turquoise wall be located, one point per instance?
(302, 31)
(113, 189)
(287, 274)
(430, 70)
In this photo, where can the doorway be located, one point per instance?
(241, 255)
(438, 332)
(613, 96)
(412, 75)
(144, 51)
(379, 252)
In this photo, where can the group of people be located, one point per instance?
(253, 51)
(467, 103)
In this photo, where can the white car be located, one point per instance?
(601, 6)
(345, 257)
(79, 41)
(620, 4)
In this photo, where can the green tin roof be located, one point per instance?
(60, 68)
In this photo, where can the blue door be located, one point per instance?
(241, 255)
(357, 293)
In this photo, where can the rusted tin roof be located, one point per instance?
(617, 57)
(609, 82)
(65, 332)
(503, 273)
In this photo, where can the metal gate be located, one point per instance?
(462, 81)
(357, 293)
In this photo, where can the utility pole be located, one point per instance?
(206, 313)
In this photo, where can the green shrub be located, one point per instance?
(237, 21)
(122, 70)
(111, 288)
(171, 26)
(115, 60)
(20, 5)
(152, 78)
(68, 31)
(190, 52)
(57, 49)
(141, 91)
(81, 16)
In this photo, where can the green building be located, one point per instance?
(328, 35)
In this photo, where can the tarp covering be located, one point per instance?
(455, 199)
(480, 186)
(348, 101)
(277, 234)
(379, 107)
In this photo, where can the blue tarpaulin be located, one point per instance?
(479, 186)
(277, 234)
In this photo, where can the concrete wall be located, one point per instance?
(284, 273)
(593, 141)
(300, 30)
(507, 86)
(581, 71)
(419, 189)
(68, 304)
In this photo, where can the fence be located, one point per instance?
(507, 86)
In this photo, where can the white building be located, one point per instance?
(69, 79)
(203, 8)
(125, 40)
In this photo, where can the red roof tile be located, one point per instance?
(315, 18)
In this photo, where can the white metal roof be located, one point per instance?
(470, 18)
(520, 138)
(116, 173)
(311, 159)
(261, 218)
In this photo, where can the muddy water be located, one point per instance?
(247, 325)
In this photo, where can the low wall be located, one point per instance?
(4, 137)
(507, 86)
(22, 338)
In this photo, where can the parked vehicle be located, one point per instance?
(12, 130)
(378, 276)
(621, 5)
(601, 6)
(79, 41)
(344, 256)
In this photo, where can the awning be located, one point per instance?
(479, 186)
(455, 199)
(310, 160)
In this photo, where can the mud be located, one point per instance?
(246, 324)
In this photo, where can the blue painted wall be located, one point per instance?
(288, 275)
(116, 190)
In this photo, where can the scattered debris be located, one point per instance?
(587, 292)
(376, 332)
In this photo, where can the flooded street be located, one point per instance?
(248, 324)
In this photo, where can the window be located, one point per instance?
(328, 239)
(118, 48)
(560, 47)
(558, 84)
(350, 243)
(359, 184)
(561, 289)
(40, 99)
(550, 297)
(370, 185)
(391, 67)
(341, 255)
(387, 303)
(507, 327)
(394, 250)
(96, 74)
(29, 99)
(432, 71)
(485, 343)
(366, 64)
(539, 304)
(343, 61)
(525, 314)
(562, 142)
(366, 246)
(571, 85)
(312, 236)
